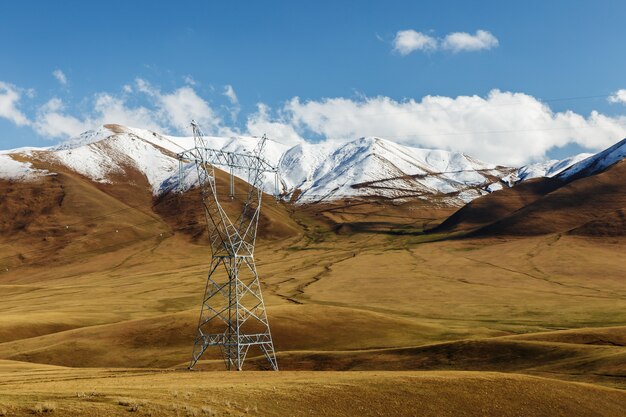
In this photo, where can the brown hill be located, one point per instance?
(492, 207)
(61, 216)
(184, 212)
(576, 204)
(590, 206)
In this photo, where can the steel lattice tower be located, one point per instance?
(233, 314)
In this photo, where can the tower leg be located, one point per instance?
(233, 314)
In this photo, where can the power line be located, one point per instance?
(576, 98)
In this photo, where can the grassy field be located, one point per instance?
(104, 322)
(28, 389)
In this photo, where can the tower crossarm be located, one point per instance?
(218, 157)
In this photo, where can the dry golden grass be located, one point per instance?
(375, 296)
(102, 392)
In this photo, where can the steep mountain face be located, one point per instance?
(595, 163)
(546, 169)
(588, 198)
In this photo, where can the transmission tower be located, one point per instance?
(233, 315)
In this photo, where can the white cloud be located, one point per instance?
(164, 112)
(111, 109)
(188, 79)
(462, 41)
(229, 92)
(618, 97)
(502, 127)
(407, 41)
(51, 121)
(279, 129)
(60, 76)
(10, 96)
(234, 108)
(177, 109)
(182, 105)
(506, 128)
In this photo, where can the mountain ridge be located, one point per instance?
(587, 198)
(309, 172)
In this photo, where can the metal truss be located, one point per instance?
(233, 315)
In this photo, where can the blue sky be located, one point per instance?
(140, 61)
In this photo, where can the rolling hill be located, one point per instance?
(588, 198)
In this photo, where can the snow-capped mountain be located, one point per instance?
(308, 172)
(596, 163)
(549, 168)
(111, 149)
(374, 166)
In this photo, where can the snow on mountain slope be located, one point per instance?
(596, 163)
(374, 166)
(18, 171)
(544, 169)
(309, 172)
(99, 156)
(111, 149)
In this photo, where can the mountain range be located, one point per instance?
(308, 172)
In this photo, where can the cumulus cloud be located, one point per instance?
(53, 122)
(110, 109)
(10, 96)
(462, 41)
(407, 41)
(60, 76)
(278, 128)
(618, 97)
(180, 106)
(504, 127)
(164, 112)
